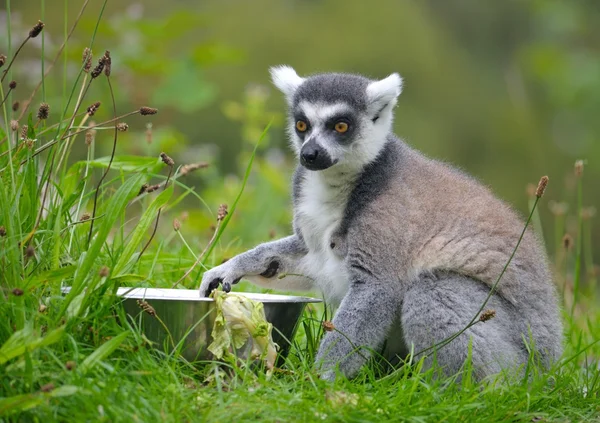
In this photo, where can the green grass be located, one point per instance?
(75, 357)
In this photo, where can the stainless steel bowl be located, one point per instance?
(189, 318)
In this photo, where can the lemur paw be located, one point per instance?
(222, 275)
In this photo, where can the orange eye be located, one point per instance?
(301, 126)
(341, 127)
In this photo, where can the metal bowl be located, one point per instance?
(189, 318)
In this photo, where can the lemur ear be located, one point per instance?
(286, 79)
(382, 93)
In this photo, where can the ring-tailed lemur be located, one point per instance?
(407, 246)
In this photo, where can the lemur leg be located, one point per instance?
(437, 306)
(262, 265)
(362, 323)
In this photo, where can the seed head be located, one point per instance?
(567, 242)
(84, 217)
(98, 69)
(558, 209)
(93, 108)
(103, 272)
(588, 212)
(176, 225)
(191, 167)
(107, 63)
(24, 130)
(146, 307)
(14, 125)
(144, 111)
(70, 365)
(222, 212)
(87, 60)
(12, 85)
(15, 106)
(539, 192)
(487, 315)
(43, 111)
(47, 387)
(122, 127)
(17, 292)
(328, 326)
(579, 168)
(152, 188)
(143, 189)
(166, 159)
(2, 231)
(35, 31)
(29, 251)
(2, 60)
(90, 134)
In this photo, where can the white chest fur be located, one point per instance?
(318, 214)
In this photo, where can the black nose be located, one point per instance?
(310, 155)
(315, 157)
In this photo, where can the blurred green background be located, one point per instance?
(507, 90)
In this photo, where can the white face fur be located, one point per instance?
(364, 130)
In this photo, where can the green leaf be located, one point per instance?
(19, 403)
(25, 340)
(140, 230)
(101, 353)
(114, 209)
(127, 163)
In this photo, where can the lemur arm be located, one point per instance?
(273, 264)
(366, 313)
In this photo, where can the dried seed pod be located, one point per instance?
(328, 326)
(144, 111)
(487, 315)
(47, 387)
(166, 159)
(12, 85)
(15, 106)
(2, 231)
(17, 292)
(70, 365)
(122, 127)
(87, 60)
(24, 130)
(579, 168)
(222, 212)
(567, 242)
(146, 307)
(176, 225)
(2, 60)
(37, 28)
(191, 167)
(14, 125)
(143, 189)
(29, 251)
(152, 188)
(103, 272)
(539, 192)
(98, 69)
(93, 108)
(107, 63)
(43, 111)
(84, 217)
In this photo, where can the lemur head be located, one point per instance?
(337, 119)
